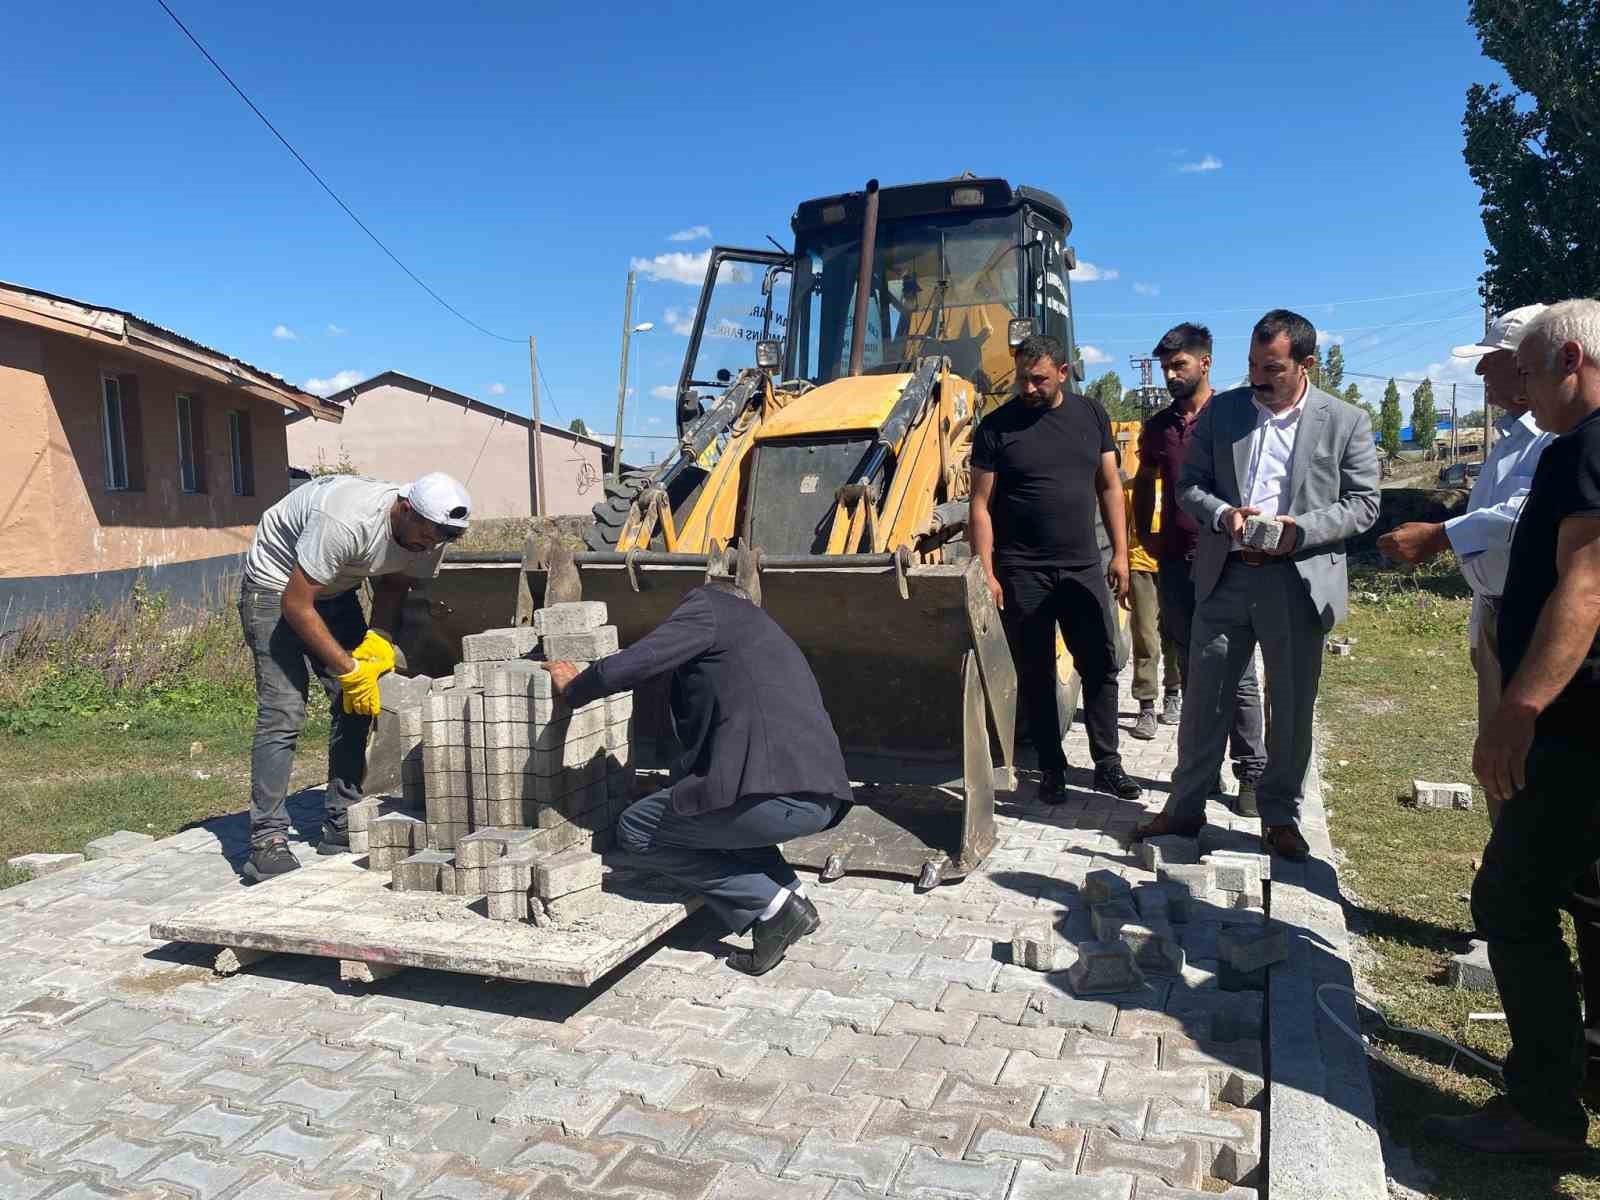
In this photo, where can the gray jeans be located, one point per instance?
(729, 855)
(284, 668)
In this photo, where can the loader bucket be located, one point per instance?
(913, 668)
(471, 593)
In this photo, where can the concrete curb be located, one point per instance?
(1320, 1107)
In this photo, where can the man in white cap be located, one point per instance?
(301, 616)
(1481, 536)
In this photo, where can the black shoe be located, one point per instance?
(773, 937)
(1118, 782)
(1498, 1128)
(1052, 787)
(270, 859)
(813, 919)
(335, 839)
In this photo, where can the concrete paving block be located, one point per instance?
(469, 881)
(1231, 979)
(1159, 851)
(1234, 872)
(1154, 948)
(576, 616)
(420, 872)
(494, 645)
(231, 960)
(358, 816)
(355, 971)
(114, 845)
(40, 865)
(1250, 949)
(1103, 886)
(564, 873)
(1110, 916)
(396, 830)
(1038, 947)
(1104, 967)
(927, 1175)
(508, 875)
(1262, 533)
(1154, 902)
(484, 846)
(523, 680)
(581, 647)
(507, 906)
(1471, 971)
(1441, 795)
(574, 905)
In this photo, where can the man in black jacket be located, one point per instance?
(761, 763)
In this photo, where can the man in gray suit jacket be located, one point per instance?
(1278, 475)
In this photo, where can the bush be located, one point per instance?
(140, 655)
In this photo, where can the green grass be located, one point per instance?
(136, 718)
(1404, 706)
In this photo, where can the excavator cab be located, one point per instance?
(826, 409)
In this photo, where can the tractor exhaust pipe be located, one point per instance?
(869, 243)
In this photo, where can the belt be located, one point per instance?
(1252, 558)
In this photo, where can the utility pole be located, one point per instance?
(622, 379)
(536, 447)
(1148, 392)
(1452, 422)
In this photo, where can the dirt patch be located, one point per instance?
(160, 983)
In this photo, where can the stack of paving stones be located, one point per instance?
(507, 792)
(892, 1054)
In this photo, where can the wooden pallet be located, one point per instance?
(337, 909)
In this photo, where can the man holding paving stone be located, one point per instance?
(1277, 476)
(301, 616)
(761, 763)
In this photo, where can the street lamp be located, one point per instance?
(628, 330)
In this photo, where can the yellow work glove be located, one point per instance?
(360, 689)
(376, 650)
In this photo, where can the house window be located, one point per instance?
(122, 432)
(115, 431)
(241, 453)
(191, 443)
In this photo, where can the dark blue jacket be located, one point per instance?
(745, 704)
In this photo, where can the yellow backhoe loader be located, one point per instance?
(825, 412)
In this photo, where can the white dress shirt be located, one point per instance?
(1481, 537)
(1271, 459)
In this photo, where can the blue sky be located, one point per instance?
(519, 157)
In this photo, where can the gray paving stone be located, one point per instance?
(290, 1142)
(489, 1145)
(742, 1183)
(873, 1167)
(1069, 1012)
(19, 1183)
(642, 1170)
(43, 1134)
(669, 1132)
(862, 1013)
(951, 1027)
(1035, 1181)
(119, 1157)
(746, 1099)
(1063, 1108)
(1177, 1164)
(217, 1125)
(928, 1176)
(1231, 1136)
(843, 1116)
(576, 1158)
(1000, 1139)
(198, 1174)
(821, 1073)
(916, 1089)
(1001, 1006)
(979, 1063)
(724, 1141)
(946, 1132)
(655, 1085)
(542, 1102)
(1079, 1074)
(1016, 1104)
(465, 1088)
(729, 1056)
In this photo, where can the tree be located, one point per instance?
(344, 465)
(1108, 390)
(1424, 420)
(1472, 420)
(577, 426)
(1389, 420)
(1534, 150)
(1333, 370)
(1352, 395)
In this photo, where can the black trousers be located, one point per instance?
(1040, 600)
(1547, 836)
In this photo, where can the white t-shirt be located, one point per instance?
(336, 529)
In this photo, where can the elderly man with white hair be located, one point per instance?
(1481, 536)
(1538, 754)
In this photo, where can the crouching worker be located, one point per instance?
(302, 616)
(761, 763)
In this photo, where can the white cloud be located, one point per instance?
(1088, 272)
(1093, 356)
(1209, 162)
(676, 266)
(665, 392)
(336, 330)
(284, 334)
(1147, 289)
(1324, 338)
(692, 234)
(334, 383)
(497, 389)
(652, 422)
(679, 321)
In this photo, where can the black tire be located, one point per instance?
(611, 514)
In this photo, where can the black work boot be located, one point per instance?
(1498, 1128)
(774, 936)
(1113, 779)
(270, 859)
(335, 838)
(1052, 786)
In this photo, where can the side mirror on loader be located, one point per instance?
(769, 353)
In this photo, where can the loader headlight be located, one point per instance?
(966, 197)
(1019, 331)
(769, 353)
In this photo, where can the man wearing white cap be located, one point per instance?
(1481, 537)
(301, 615)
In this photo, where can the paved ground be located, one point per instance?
(897, 1052)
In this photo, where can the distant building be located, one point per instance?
(398, 427)
(128, 452)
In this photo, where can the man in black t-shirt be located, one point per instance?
(1539, 753)
(1040, 466)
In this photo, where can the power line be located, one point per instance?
(1189, 312)
(312, 171)
(1236, 337)
(1436, 382)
